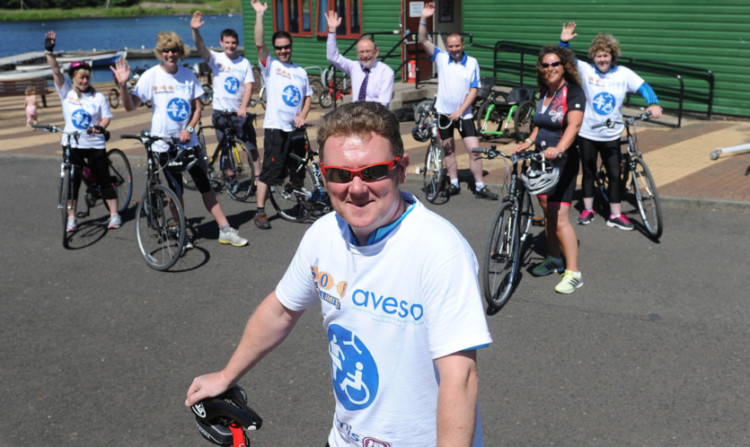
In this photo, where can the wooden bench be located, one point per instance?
(18, 88)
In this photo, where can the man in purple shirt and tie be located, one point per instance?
(372, 80)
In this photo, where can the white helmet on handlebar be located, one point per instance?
(540, 178)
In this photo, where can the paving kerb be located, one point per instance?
(679, 165)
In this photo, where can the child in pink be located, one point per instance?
(30, 104)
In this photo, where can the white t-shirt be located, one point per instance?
(230, 78)
(286, 88)
(80, 114)
(454, 81)
(171, 98)
(605, 94)
(389, 310)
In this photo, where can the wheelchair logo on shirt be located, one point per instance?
(604, 103)
(231, 85)
(81, 119)
(291, 96)
(178, 109)
(353, 370)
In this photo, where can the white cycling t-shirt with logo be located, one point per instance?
(455, 79)
(605, 94)
(286, 88)
(82, 113)
(230, 77)
(389, 310)
(171, 97)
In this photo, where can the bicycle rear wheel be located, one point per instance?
(317, 88)
(326, 100)
(434, 171)
(293, 200)
(501, 258)
(647, 198)
(238, 171)
(160, 233)
(523, 118)
(114, 98)
(121, 177)
(64, 196)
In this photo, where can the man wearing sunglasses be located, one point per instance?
(402, 314)
(372, 80)
(458, 83)
(288, 102)
(232, 88)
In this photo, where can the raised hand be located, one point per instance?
(429, 9)
(49, 41)
(121, 71)
(568, 32)
(260, 8)
(333, 19)
(197, 20)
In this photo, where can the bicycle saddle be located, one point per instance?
(215, 415)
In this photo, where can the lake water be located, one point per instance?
(110, 34)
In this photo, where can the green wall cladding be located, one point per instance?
(714, 36)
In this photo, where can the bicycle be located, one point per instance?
(633, 168)
(316, 85)
(160, 219)
(113, 97)
(435, 173)
(120, 175)
(337, 87)
(495, 115)
(509, 230)
(303, 196)
(236, 166)
(223, 419)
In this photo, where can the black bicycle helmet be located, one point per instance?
(216, 416)
(540, 178)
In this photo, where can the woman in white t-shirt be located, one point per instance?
(174, 91)
(605, 84)
(84, 110)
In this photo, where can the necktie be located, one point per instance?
(363, 88)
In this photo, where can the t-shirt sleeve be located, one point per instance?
(456, 315)
(296, 290)
(576, 99)
(143, 88)
(249, 78)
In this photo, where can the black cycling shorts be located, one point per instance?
(197, 172)
(242, 126)
(276, 163)
(97, 161)
(465, 127)
(566, 186)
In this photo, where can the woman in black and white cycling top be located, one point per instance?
(557, 119)
(605, 84)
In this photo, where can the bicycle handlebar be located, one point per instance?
(628, 122)
(514, 158)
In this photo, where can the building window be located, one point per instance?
(349, 10)
(293, 16)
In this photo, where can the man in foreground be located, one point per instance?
(403, 315)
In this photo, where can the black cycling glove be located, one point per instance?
(49, 44)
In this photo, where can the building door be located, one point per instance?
(411, 13)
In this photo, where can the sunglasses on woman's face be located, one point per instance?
(551, 64)
(369, 173)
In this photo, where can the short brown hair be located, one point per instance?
(361, 118)
(605, 42)
(168, 40)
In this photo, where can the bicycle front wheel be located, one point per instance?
(434, 171)
(527, 213)
(64, 202)
(523, 119)
(501, 258)
(647, 198)
(293, 200)
(121, 177)
(114, 98)
(160, 227)
(326, 100)
(238, 171)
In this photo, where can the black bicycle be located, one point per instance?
(303, 196)
(120, 175)
(635, 177)
(236, 171)
(509, 230)
(160, 219)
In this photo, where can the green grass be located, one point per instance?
(216, 7)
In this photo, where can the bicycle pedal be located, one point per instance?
(537, 221)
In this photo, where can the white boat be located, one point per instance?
(16, 75)
(95, 58)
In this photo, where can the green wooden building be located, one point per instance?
(713, 36)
